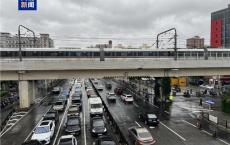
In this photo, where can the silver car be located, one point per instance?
(140, 136)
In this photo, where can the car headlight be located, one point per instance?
(93, 130)
(47, 139)
(105, 130)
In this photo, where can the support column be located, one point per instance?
(24, 95)
(33, 91)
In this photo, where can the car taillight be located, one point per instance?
(141, 142)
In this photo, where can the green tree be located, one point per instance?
(166, 87)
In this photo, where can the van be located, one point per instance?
(95, 106)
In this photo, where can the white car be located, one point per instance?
(44, 132)
(59, 106)
(127, 98)
(67, 140)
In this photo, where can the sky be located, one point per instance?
(81, 23)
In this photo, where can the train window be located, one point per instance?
(123, 53)
(140, 53)
(225, 54)
(145, 53)
(194, 54)
(213, 54)
(181, 54)
(85, 54)
(107, 54)
(129, 53)
(118, 54)
(96, 53)
(219, 54)
(201, 54)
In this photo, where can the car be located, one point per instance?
(140, 136)
(73, 111)
(44, 132)
(56, 90)
(127, 98)
(111, 97)
(32, 142)
(97, 126)
(67, 140)
(77, 101)
(187, 94)
(73, 125)
(78, 92)
(59, 106)
(100, 87)
(51, 115)
(149, 118)
(95, 106)
(104, 140)
(64, 98)
(89, 92)
(108, 86)
(118, 91)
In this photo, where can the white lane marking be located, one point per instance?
(189, 123)
(84, 125)
(173, 131)
(137, 123)
(135, 104)
(224, 141)
(207, 132)
(167, 112)
(19, 119)
(35, 126)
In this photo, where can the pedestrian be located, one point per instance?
(201, 101)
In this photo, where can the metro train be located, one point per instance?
(113, 53)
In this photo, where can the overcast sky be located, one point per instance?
(131, 22)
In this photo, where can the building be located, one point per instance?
(109, 45)
(9, 41)
(195, 42)
(220, 28)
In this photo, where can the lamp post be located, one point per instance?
(19, 39)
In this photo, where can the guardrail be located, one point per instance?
(116, 128)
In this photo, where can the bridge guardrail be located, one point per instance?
(116, 128)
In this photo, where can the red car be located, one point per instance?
(118, 91)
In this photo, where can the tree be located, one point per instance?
(166, 87)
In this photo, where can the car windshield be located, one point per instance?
(66, 141)
(73, 121)
(39, 130)
(107, 143)
(58, 103)
(76, 101)
(96, 105)
(129, 96)
(151, 116)
(144, 134)
(98, 123)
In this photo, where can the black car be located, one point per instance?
(149, 118)
(77, 101)
(111, 97)
(97, 126)
(108, 86)
(51, 115)
(32, 142)
(73, 125)
(105, 140)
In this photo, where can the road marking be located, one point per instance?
(35, 126)
(224, 141)
(85, 142)
(173, 131)
(206, 132)
(167, 112)
(189, 123)
(137, 123)
(20, 119)
(151, 127)
(135, 104)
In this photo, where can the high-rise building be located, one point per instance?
(9, 41)
(195, 42)
(220, 28)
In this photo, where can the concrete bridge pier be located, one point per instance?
(26, 93)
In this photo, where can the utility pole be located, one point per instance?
(19, 39)
(175, 40)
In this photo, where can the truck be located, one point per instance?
(95, 107)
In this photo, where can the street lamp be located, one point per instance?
(19, 39)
